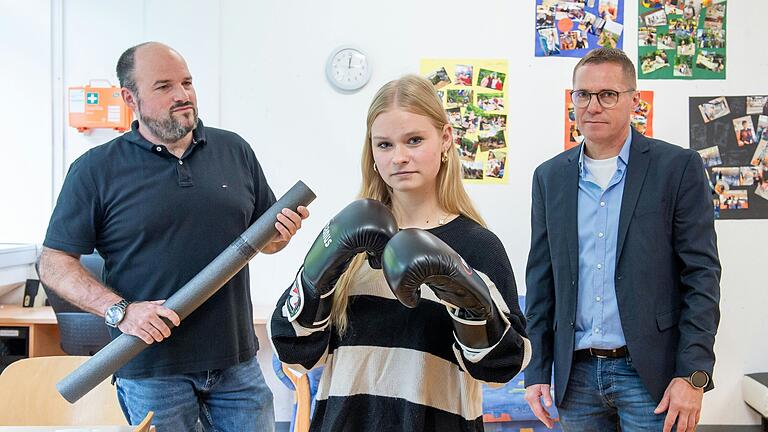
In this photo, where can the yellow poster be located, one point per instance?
(474, 94)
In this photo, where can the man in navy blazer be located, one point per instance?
(623, 272)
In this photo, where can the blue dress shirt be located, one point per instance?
(597, 312)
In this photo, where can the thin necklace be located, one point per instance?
(440, 220)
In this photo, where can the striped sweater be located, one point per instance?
(398, 369)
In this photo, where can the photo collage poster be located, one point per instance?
(573, 28)
(641, 118)
(681, 39)
(731, 135)
(473, 93)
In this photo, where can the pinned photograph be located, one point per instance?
(439, 78)
(654, 18)
(715, 16)
(682, 27)
(711, 38)
(762, 190)
(747, 176)
(490, 142)
(545, 17)
(454, 116)
(714, 109)
(491, 79)
(711, 156)
(729, 176)
(761, 154)
(572, 10)
(597, 26)
(440, 95)
(586, 24)
(646, 36)
(734, 200)
(666, 41)
(573, 40)
(465, 145)
(673, 7)
(745, 131)
(640, 116)
(711, 61)
(762, 183)
(458, 98)
(492, 123)
(762, 128)
(494, 166)
(608, 9)
(683, 66)
(549, 41)
(490, 101)
(691, 9)
(469, 121)
(463, 75)
(610, 35)
(653, 61)
(755, 104)
(472, 170)
(574, 135)
(686, 46)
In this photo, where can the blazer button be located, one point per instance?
(573, 283)
(619, 277)
(571, 323)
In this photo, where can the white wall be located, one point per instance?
(259, 70)
(25, 116)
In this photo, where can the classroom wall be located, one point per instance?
(259, 70)
(26, 118)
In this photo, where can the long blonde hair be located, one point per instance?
(414, 94)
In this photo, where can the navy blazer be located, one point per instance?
(667, 267)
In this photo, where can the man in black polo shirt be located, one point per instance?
(159, 203)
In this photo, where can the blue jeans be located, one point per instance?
(607, 395)
(232, 399)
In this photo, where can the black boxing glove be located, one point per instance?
(414, 257)
(365, 225)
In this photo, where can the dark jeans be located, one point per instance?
(607, 395)
(232, 399)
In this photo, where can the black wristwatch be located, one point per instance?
(698, 379)
(115, 313)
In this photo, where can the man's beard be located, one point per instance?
(169, 129)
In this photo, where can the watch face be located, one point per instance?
(699, 379)
(348, 69)
(114, 315)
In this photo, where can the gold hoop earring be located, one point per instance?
(444, 158)
(374, 167)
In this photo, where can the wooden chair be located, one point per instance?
(28, 396)
(146, 424)
(303, 399)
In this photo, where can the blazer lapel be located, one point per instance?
(570, 195)
(639, 157)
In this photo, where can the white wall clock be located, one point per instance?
(348, 69)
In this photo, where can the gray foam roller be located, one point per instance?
(188, 298)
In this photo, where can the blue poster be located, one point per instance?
(573, 28)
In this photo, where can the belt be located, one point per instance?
(620, 352)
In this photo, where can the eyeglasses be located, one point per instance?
(606, 98)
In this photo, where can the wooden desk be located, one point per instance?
(44, 337)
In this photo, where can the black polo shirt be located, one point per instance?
(158, 220)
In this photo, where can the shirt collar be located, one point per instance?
(134, 136)
(622, 160)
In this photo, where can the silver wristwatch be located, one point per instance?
(116, 313)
